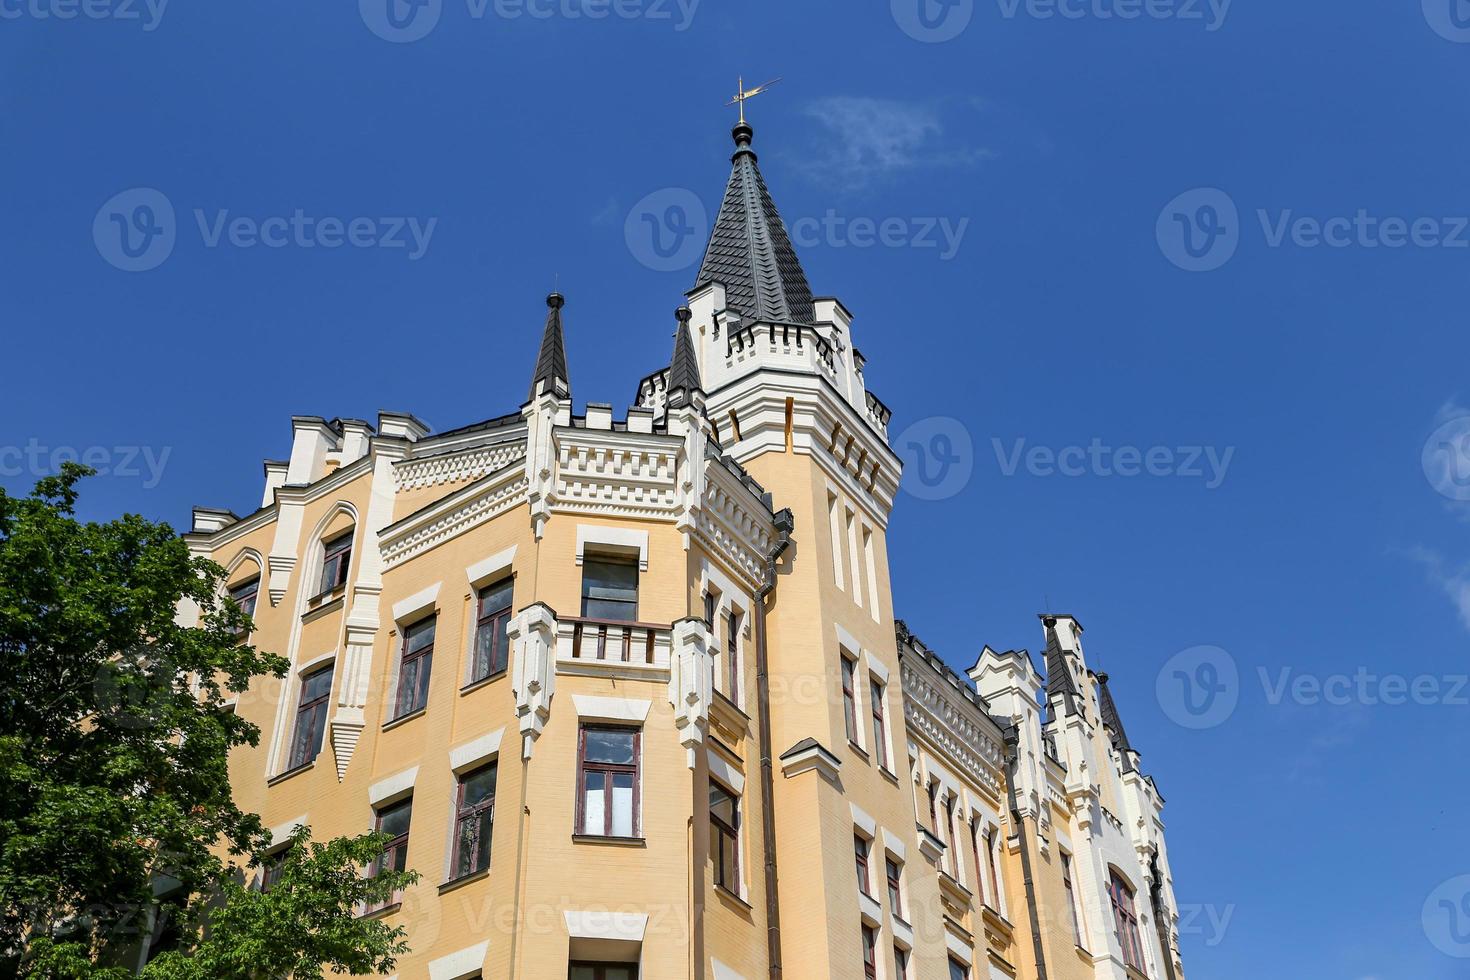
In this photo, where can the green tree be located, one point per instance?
(116, 818)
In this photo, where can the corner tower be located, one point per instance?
(786, 397)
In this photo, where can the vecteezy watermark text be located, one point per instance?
(136, 230)
(1098, 459)
(404, 21)
(148, 13)
(1200, 230)
(125, 462)
(937, 21)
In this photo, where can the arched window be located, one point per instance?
(1125, 920)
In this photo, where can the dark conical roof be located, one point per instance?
(551, 364)
(1059, 682)
(749, 252)
(1112, 722)
(684, 368)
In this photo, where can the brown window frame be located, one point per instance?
(402, 708)
(496, 620)
(336, 549)
(870, 952)
(849, 697)
(720, 831)
(599, 968)
(470, 815)
(610, 769)
(1125, 920)
(862, 850)
(901, 958)
(1071, 895)
(732, 655)
(964, 970)
(314, 709)
(622, 604)
(250, 588)
(893, 872)
(880, 722)
(396, 847)
(271, 868)
(990, 842)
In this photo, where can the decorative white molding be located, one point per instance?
(724, 772)
(467, 962)
(539, 471)
(532, 636)
(315, 662)
(617, 710)
(280, 832)
(393, 786)
(461, 511)
(474, 752)
(615, 539)
(493, 567)
(933, 713)
(862, 820)
(418, 602)
(720, 971)
(811, 757)
(627, 927)
(894, 844)
(456, 466)
(690, 668)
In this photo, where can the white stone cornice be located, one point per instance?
(469, 507)
(455, 466)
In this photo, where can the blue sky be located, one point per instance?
(1126, 267)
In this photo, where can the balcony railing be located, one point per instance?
(609, 641)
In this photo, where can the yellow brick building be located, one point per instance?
(629, 692)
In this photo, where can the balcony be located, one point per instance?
(607, 647)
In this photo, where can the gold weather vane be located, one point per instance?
(742, 94)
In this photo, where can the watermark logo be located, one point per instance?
(1098, 459)
(938, 457)
(1446, 458)
(149, 13)
(400, 21)
(838, 231)
(667, 229)
(1211, 13)
(1199, 688)
(1207, 923)
(1446, 917)
(135, 230)
(933, 21)
(1199, 230)
(1450, 19)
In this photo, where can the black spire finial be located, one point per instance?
(551, 375)
(684, 368)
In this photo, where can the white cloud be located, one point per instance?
(865, 138)
(1454, 582)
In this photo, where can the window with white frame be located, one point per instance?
(849, 698)
(336, 559)
(1072, 898)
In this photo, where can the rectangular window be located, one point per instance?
(852, 550)
(336, 557)
(951, 855)
(392, 820)
(933, 812)
(245, 595)
(1126, 921)
(900, 963)
(958, 970)
(1071, 896)
(732, 656)
(872, 568)
(607, 781)
(311, 718)
(474, 808)
(995, 883)
(870, 953)
(975, 856)
(610, 590)
(413, 669)
(849, 700)
(603, 971)
(492, 620)
(270, 872)
(724, 837)
(860, 860)
(880, 735)
(895, 886)
(709, 609)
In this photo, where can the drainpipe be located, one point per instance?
(785, 522)
(1013, 754)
